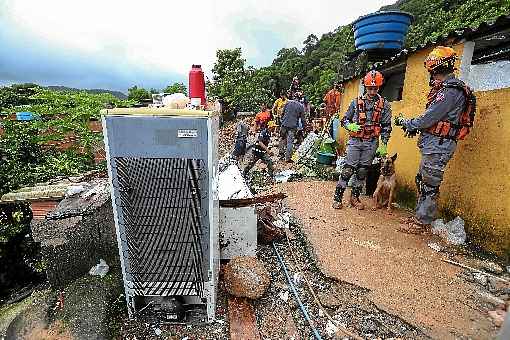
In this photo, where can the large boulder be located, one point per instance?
(78, 233)
(246, 277)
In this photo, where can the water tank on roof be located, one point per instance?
(381, 30)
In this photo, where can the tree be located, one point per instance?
(237, 86)
(138, 94)
(176, 88)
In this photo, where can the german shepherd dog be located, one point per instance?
(385, 190)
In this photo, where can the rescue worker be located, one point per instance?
(293, 116)
(278, 105)
(447, 118)
(367, 118)
(263, 116)
(260, 150)
(332, 100)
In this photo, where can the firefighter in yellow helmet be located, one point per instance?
(447, 118)
(367, 119)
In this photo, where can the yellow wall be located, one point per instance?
(477, 180)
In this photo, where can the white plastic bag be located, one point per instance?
(452, 231)
(100, 269)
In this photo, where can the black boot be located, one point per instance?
(337, 200)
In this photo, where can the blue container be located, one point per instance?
(26, 115)
(381, 30)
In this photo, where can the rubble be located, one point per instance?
(246, 277)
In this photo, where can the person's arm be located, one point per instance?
(349, 114)
(386, 122)
(302, 114)
(444, 102)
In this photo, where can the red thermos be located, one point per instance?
(197, 83)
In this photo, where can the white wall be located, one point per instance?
(491, 76)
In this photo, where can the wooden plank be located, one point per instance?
(242, 321)
(243, 202)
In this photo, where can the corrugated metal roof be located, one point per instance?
(468, 33)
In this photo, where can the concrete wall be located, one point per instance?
(477, 180)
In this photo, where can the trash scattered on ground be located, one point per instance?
(436, 246)
(100, 269)
(452, 231)
(231, 183)
(480, 278)
(284, 295)
(157, 331)
(331, 328)
(283, 220)
(74, 189)
(308, 143)
(284, 176)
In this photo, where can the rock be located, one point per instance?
(492, 267)
(497, 316)
(77, 234)
(369, 325)
(33, 319)
(480, 278)
(491, 299)
(329, 300)
(246, 277)
(498, 286)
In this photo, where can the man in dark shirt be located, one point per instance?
(293, 111)
(260, 151)
(439, 127)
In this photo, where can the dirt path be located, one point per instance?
(405, 277)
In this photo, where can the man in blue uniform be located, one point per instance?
(448, 117)
(367, 119)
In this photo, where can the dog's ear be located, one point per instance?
(394, 157)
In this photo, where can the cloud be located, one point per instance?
(116, 44)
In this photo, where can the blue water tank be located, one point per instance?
(381, 30)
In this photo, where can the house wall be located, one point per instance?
(477, 181)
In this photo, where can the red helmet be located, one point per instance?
(373, 78)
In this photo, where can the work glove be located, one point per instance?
(354, 127)
(382, 150)
(399, 120)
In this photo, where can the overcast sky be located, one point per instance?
(116, 44)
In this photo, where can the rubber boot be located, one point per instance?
(355, 201)
(337, 200)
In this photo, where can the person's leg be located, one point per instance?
(351, 161)
(269, 163)
(367, 151)
(290, 143)
(282, 142)
(432, 168)
(250, 164)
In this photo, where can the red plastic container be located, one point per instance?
(197, 83)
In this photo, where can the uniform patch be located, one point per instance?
(440, 97)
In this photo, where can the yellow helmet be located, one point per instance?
(440, 56)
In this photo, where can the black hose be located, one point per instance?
(296, 296)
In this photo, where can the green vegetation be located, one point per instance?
(28, 156)
(319, 62)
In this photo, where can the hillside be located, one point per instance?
(117, 94)
(318, 61)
